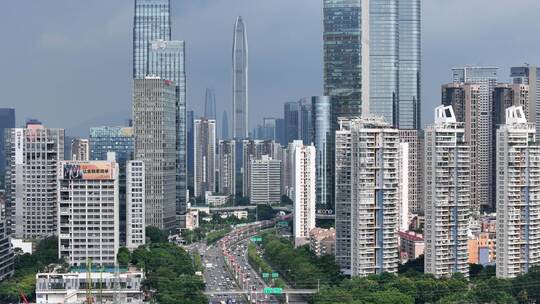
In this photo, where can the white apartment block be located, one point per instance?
(404, 184)
(305, 183)
(88, 217)
(447, 197)
(518, 195)
(265, 181)
(135, 204)
(367, 165)
(32, 155)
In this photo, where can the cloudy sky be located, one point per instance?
(68, 62)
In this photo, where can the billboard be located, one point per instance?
(87, 171)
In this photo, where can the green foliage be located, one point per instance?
(197, 261)
(170, 272)
(215, 236)
(156, 235)
(123, 256)
(299, 266)
(26, 268)
(265, 212)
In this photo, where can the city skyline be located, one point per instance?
(103, 49)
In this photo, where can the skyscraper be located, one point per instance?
(152, 21)
(204, 156)
(154, 125)
(342, 55)
(210, 104)
(166, 59)
(7, 257)
(291, 114)
(31, 197)
(323, 140)
(529, 75)
(367, 166)
(88, 222)
(304, 193)
(372, 58)
(518, 200)
(240, 81)
(447, 185)
(486, 78)
(190, 119)
(225, 126)
(227, 178)
(7, 120)
(410, 48)
(305, 124)
(465, 100)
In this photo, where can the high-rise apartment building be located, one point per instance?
(265, 180)
(135, 205)
(152, 21)
(154, 125)
(415, 176)
(287, 168)
(7, 121)
(372, 58)
(80, 149)
(403, 187)
(323, 139)
(88, 221)
(343, 196)
(529, 75)
(465, 100)
(227, 178)
(166, 59)
(518, 195)
(120, 141)
(205, 156)
(304, 193)
(373, 180)
(486, 79)
(447, 195)
(240, 81)
(31, 199)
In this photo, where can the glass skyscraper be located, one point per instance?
(152, 22)
(342, 53)
(240, 80)
(323, 140)
(372, 58)
(166, 59)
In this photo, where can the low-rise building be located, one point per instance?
(322, 241)
(216, 200)
(24, 246)
(482, 249)
(411, 245)
(108, 287)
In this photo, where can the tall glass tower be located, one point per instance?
(240, 80)
(210, 104)
(166, 59)
(372, 58)
(152, 22)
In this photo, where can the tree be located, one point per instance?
(156, 235)
(265, 212)
(123, 256)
